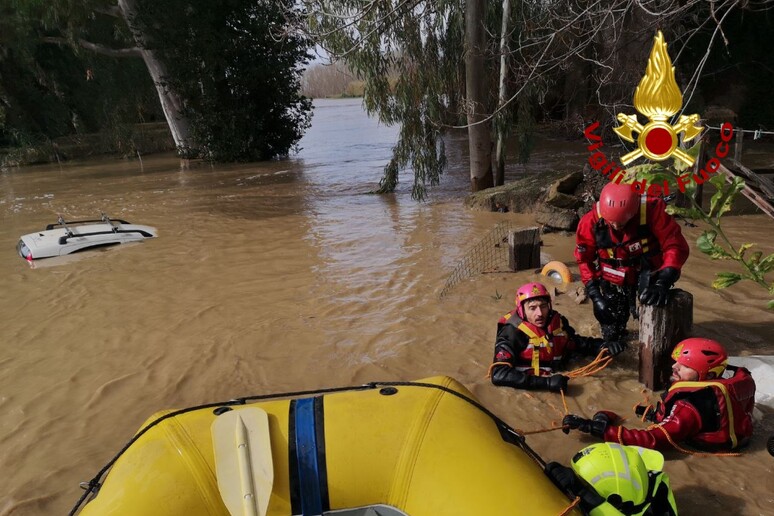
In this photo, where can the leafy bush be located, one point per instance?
(713, 241)
(238, 70)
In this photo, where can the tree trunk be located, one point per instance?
(502, 132)
(171, 103)
(479, 133)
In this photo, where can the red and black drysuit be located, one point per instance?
(616, 263)
(526, 355)
(714, 415)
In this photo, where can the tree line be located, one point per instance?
(223, 74)
(497, 68)
(322, 80)
(226, 75)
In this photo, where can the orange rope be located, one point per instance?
(601, 361)
(570, 507)
(489, 372)
(541, 431)
(689, 452)
(648, 407)
(553, 423)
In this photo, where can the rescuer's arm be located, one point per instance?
(586, 249)
(674, 247)
(590, 346)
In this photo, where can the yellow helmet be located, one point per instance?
(618, 473)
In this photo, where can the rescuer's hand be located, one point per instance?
(603, 311)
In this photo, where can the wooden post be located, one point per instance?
(661, 328)
(524, 249)
(738, 145)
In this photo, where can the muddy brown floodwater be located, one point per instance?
(284, 276)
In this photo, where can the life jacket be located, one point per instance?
(620, 262)
(732, 425)
(546, 346)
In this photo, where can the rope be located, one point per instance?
(564, 403)
(570, 507)
(648, 406)
(489, 372)
(541, 431)
(553, 423)
(601, 361)
(756, 132)
(683, 450)
(645, 412)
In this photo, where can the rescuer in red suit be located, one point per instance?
(627, 246)
(702, 406)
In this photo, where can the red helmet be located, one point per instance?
(530, 291)
(702, 355)
(618, 203)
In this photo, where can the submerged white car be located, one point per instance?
(69, 237)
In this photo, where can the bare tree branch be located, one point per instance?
(97, 48)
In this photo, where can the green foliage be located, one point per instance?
(706, 244)
(238, 69)
(713, 241)
(419, 44)
(232, 62)
(49, 89)
(725, 279)
(724, 196)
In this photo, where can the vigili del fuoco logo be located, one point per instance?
(658, 98)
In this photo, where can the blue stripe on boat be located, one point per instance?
(306, 453)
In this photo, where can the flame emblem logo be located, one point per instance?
(658, 98)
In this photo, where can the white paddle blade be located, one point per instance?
(242, 446)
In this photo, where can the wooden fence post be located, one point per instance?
(738, 144)
(661, 328)
(524, 249)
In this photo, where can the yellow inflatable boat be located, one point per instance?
(386, 449)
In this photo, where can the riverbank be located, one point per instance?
(127, 141)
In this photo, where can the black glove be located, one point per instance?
(614, 347)
(553, 383)
(557, 382)
(646, 413)
(566, 479)
(603, 312)
(562, 476)
(595, 427)
(657, 293)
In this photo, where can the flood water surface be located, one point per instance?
(285, 276)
